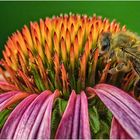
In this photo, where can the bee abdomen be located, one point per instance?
(137, 89)
(136, 66)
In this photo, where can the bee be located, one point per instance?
(124, 48)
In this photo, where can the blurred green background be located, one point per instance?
(13, 15)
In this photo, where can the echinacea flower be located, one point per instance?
(55, 84)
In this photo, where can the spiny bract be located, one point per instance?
(58, 53)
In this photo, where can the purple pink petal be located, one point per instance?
(28, 118)
(11, 124)
(125, 109)
(64, 129)
(84, 119)
(76, 118)
(75, 121)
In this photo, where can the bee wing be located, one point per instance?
(133, 52)
(134, 56)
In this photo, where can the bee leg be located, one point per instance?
(137, 89)
(120, 67)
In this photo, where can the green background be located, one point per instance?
(13, 15)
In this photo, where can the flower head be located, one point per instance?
(53, 68)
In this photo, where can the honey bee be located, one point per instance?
(124, 48)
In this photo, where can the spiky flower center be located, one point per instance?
(58, 53)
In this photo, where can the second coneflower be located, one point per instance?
(51, 86)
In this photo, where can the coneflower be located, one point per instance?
(55, 84)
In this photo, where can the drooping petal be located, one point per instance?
(124, 108)
(76, 119)
(84, 118)
(35, 127)
(6, 86)
(117, 132)
(13, 99)
(7, 95)
(35, 113)
(44, 131)
(9, 128)
(64, 129)
(29, 116)
(122, 95)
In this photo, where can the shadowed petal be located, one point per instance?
(9, 128)
(28, 118)
(84, 118)
(117, 132)
(6, 86)
(64, 129)
(124, 108)
(7, 95)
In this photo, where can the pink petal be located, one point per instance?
(76, 119)
(14, 118)
(27, 120)
(124, 108)
(64, 129)
(117, 132)
(44, 131)
(84, 118)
